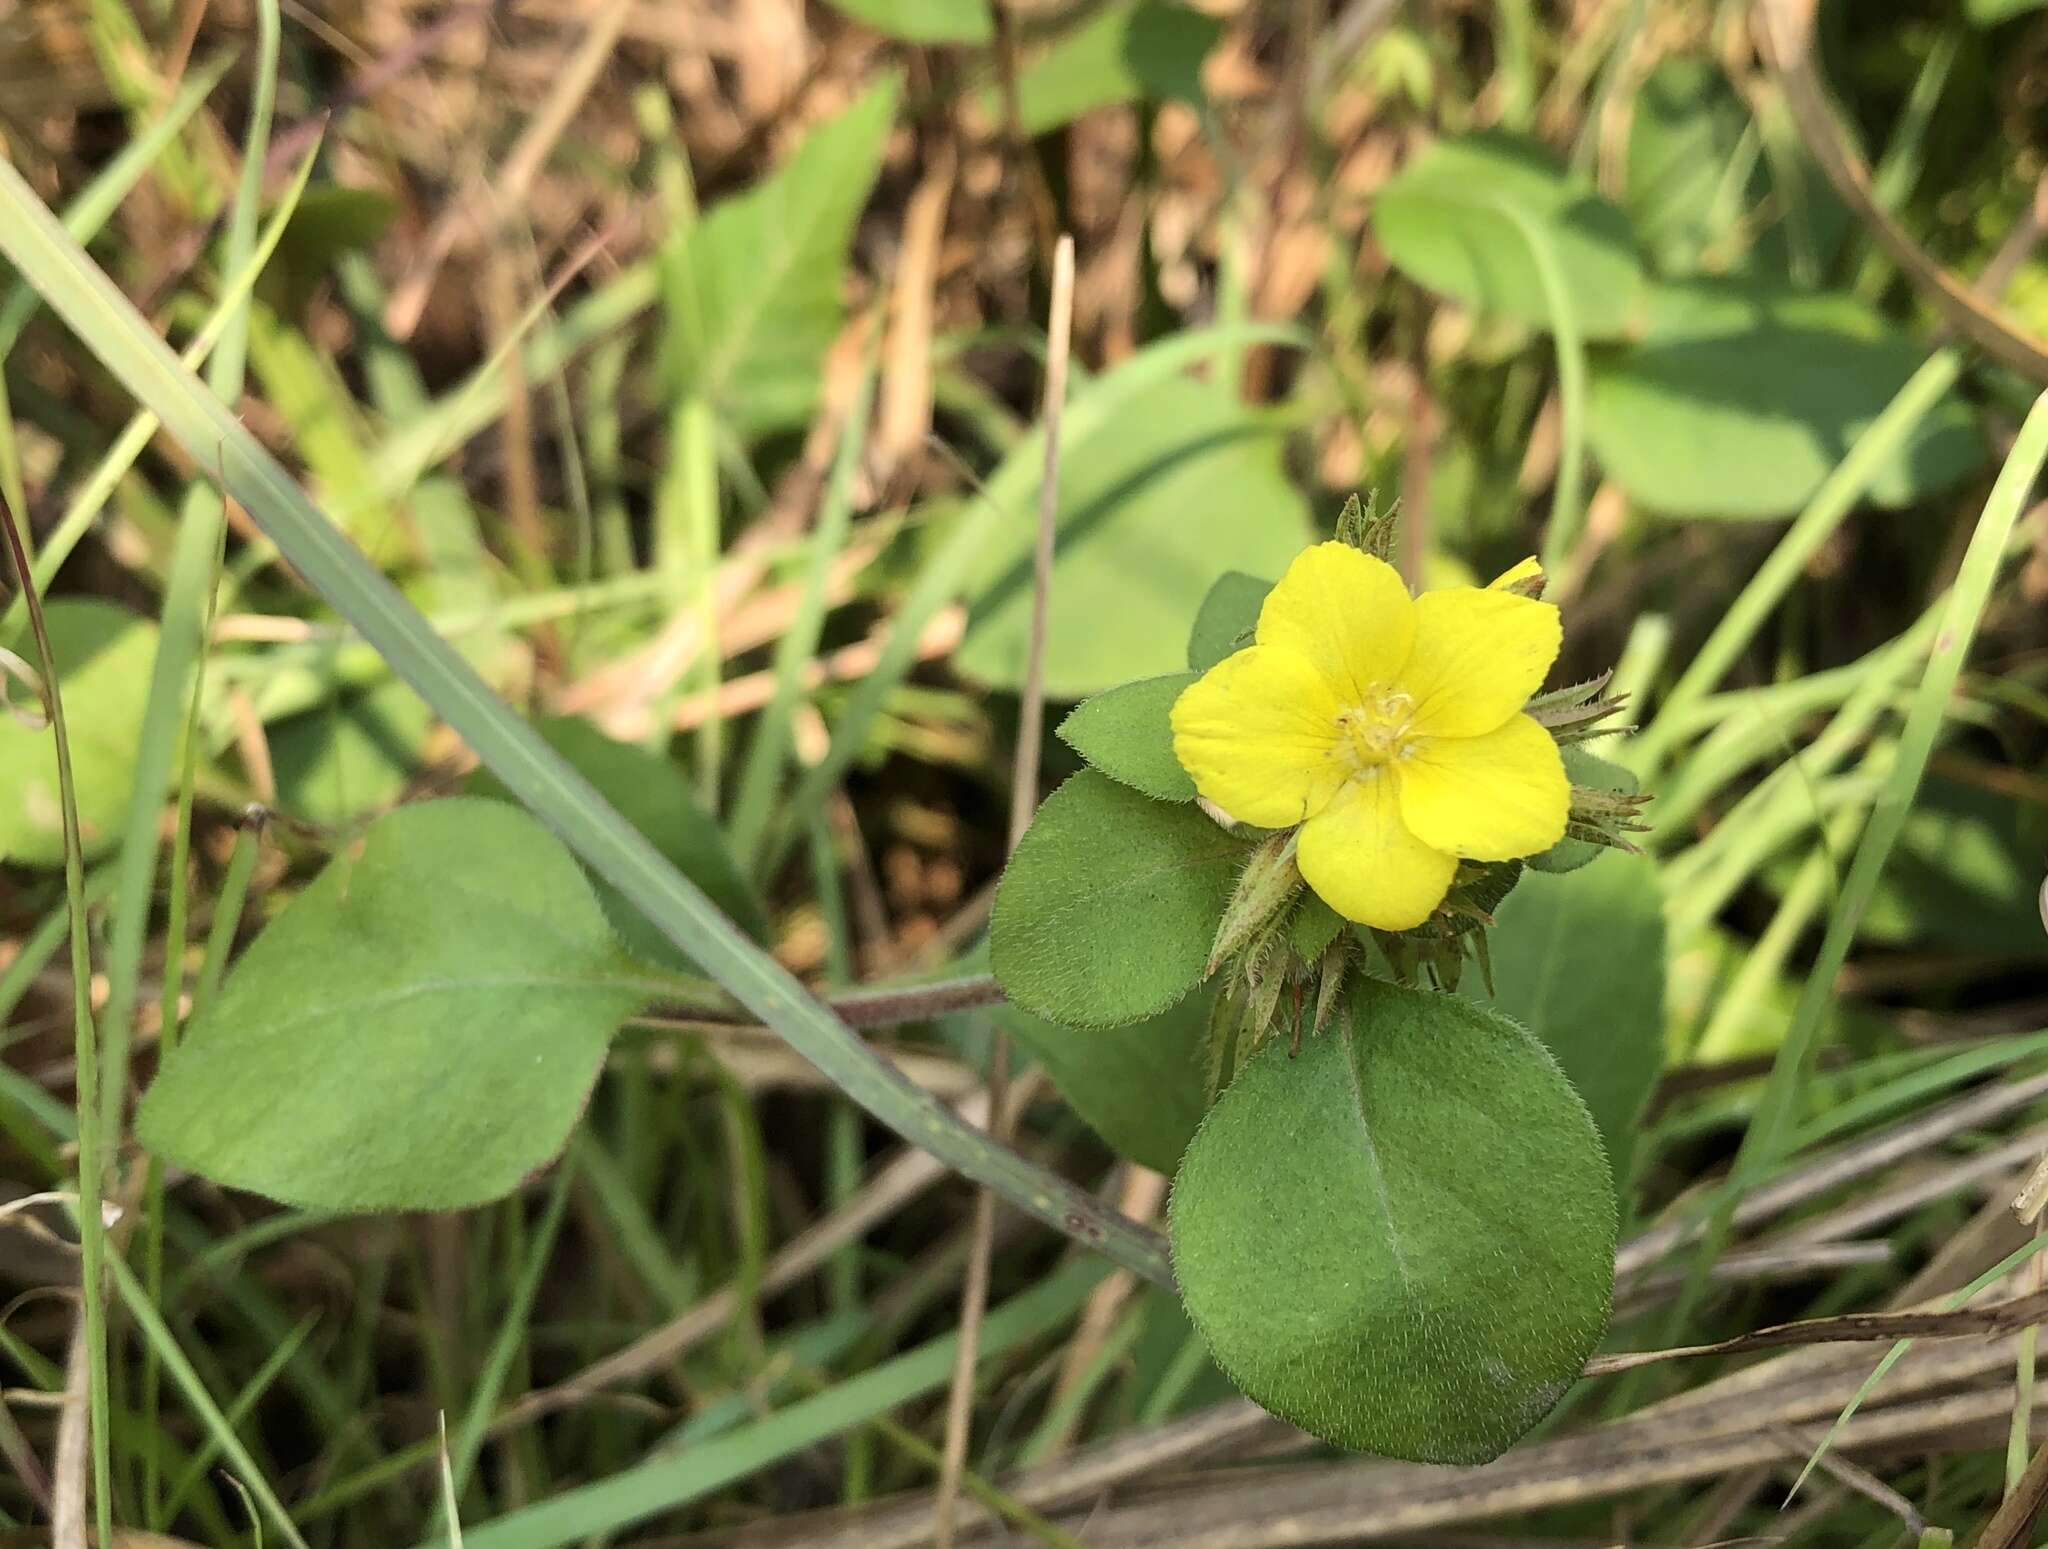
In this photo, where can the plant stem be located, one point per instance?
(91, 1223)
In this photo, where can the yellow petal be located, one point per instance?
(1363, 861)
(1258, 735)
(1478, 657)
(1347, 613)
(1530, 569)
(1495, 797)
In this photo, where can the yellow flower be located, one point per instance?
(1389, 727)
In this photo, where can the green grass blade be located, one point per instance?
(1763, 1143)
(1998, 1271)
(1568, 505)
(92, 1226)
(1008, 494)
(762, 773)
(239, 1410)
(1831, 503)
(512, 1332)
(109, 326)
(187, 597)
(665, 1482)
(99, 486)
(98, 200)
(428, 437)
(208, 1413)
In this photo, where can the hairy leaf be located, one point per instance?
(1106, 913)
(1442, 220)
(103, 655)
(1126, 733)
(1402, 1239)
(418, 1029)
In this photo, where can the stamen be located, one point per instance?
(1376, 731)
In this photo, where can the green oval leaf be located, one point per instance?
(1143, 1088)
(1225, 621)
(1141, 49)
(652, 794)
(1173, 491)
(1579, 961)
(1741, 398)
(351, 756)
(418, 1029)
(103, 656)
(751, 292)
(1689, 134)
(1106, 913)
(1402, 1239)
(1127, 734)
(924, 21)
(1441, 220)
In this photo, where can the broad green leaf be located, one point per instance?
(1441, 221)
(1579, 961)
(1153, 508)
(1225, 621)
(1990, 13)
(924, 21)
(353, 756)
(418, 1030)
(1402, 1239)
(1740, 398)
(109, 327)
(1106, 913)
(1143, 1088)
(652, 794)
(1126, 733)
(1689, 138)
(752, 291)
(103, 655)
(1588, 769)
(1151, 50)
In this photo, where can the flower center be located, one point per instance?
(1376, 732)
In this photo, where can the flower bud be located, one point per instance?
(1265, 889)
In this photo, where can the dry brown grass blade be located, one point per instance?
(1845, 1165)
(762, 1062)
(1935, 1399)
(519, 470)
(2012, 1525)
(17, 1455)
(1861, 1480)
(892, 1186)
(1848, 1328)
(71, 1487)
(755, 690)
(1085, 1475)
(1290, 1508)
(1787, 26)
(1143, 1193)
(1768, 1265)
(891, 1007)
(1023, 803)
(905, 415)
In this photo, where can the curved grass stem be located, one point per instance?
(91, 1223)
